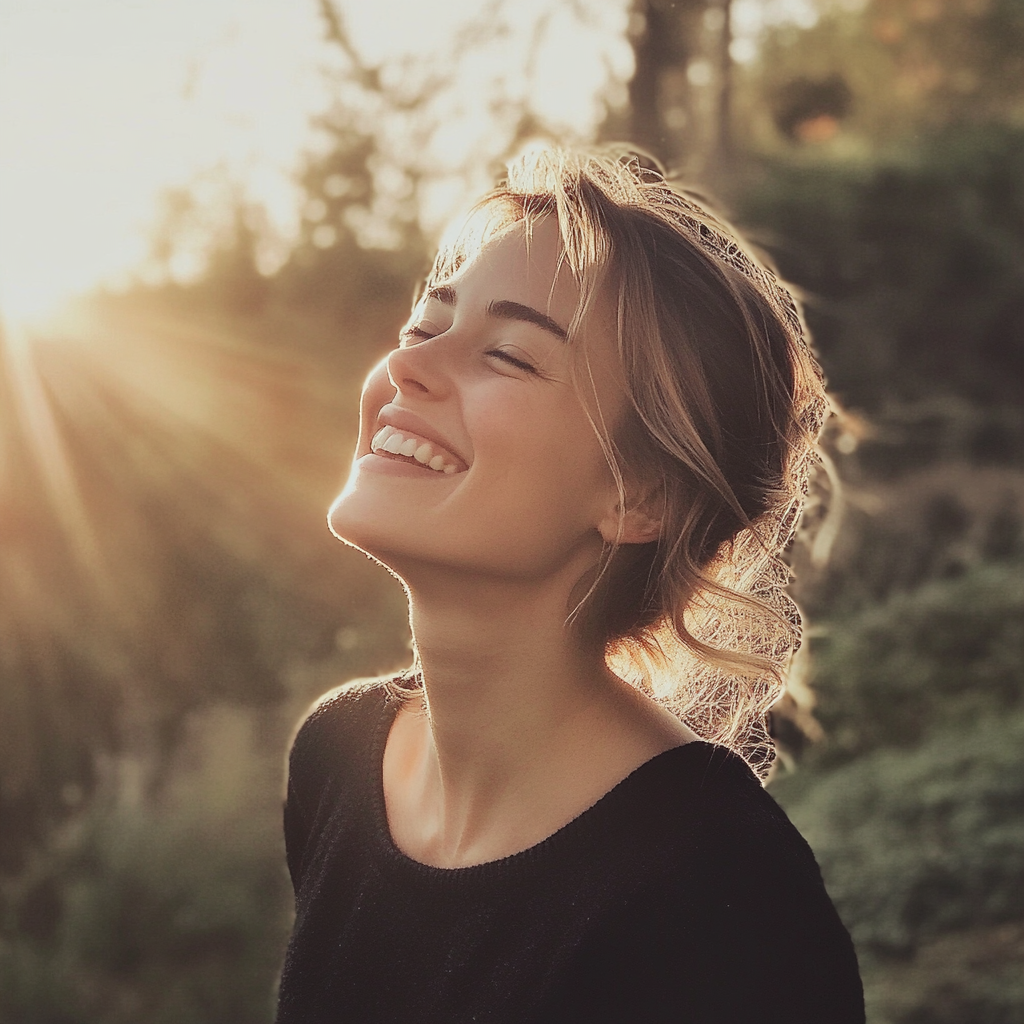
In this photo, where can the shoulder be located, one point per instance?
(694, 826)
(328, 763)
(707, 797)
(759, 873)
(729, 917)
(335, 736)
(766, 903)
(703, 792)
(346, 703)
(340, 721)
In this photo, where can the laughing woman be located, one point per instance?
(583, 460)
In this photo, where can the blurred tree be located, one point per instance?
(909, 66)
(664, 34)
(680, 94)
(360, 244)
(811, 109)
(913, 272)
(208, 237)
(55, 707)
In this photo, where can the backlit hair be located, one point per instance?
(724, 407)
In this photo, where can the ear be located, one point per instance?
(640, 523)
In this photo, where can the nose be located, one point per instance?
(417, 370)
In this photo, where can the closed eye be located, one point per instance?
(415, 332)
(507, 357)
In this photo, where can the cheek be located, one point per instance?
(543, 461)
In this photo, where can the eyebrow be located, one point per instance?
(505, 309)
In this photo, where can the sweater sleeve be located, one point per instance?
(742, 933)
(776, 944)
(296, 831)
(765, 964)
(320, 758)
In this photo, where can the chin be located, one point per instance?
(359, 523)
(385, 510)
(352, 521)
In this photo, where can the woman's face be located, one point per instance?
(475, 452)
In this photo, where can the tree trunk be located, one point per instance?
(666, 38)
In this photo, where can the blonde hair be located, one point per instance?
(725, 404)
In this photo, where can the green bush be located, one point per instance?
(911, 264)
(942, 655)
(913, 802)
(164, 907)
(915, 843)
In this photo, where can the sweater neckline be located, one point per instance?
(587, 822)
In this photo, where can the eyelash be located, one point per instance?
(414, 332)
(520, 364)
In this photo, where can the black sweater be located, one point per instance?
(684, 895)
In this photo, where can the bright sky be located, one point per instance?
(104, 104)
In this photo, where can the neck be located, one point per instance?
(503, 675)
(524, 726)
(508, 695)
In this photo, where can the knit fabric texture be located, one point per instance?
(683, 895)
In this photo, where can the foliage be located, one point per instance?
(892, 536)
(908, 65)
(961, 57)
(916, 842)
(913, 272)
(912, 803)
(945, 655)
(164, 906)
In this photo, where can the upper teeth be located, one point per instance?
(387, 439)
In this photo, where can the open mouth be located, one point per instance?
(408, 447)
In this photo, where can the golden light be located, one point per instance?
(104, 104)
(104, 107)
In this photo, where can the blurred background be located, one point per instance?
(212, 219)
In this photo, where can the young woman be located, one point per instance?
(583, 461)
